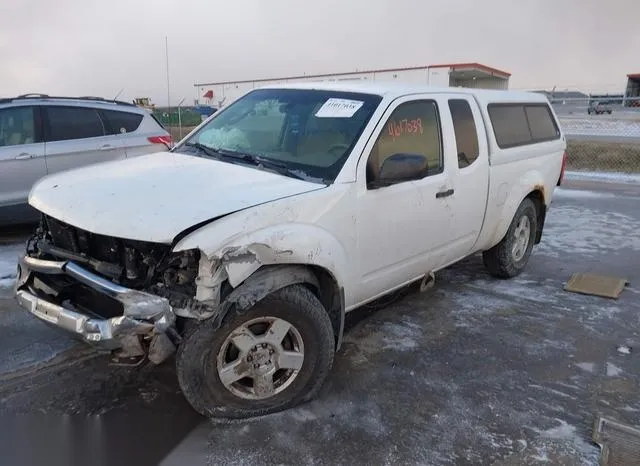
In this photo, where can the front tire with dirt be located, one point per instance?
(510, 256)
(272, 357)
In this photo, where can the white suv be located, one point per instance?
(40, 135)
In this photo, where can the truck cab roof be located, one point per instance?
(394, 89)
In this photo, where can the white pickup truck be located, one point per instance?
(245, 245)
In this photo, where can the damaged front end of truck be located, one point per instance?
(130, 297)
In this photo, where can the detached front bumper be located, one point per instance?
(144, 313)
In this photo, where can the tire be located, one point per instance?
(501, 260)
(202, 353)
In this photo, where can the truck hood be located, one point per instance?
(156, 196)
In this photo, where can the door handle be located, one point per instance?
(446, 193)
(106, 147)
(25, 156)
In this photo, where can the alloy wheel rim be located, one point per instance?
(522, 234)
(260, 358)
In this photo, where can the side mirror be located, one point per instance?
(401, 167)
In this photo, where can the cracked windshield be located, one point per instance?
(304, 132)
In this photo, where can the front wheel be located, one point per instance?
(267, 359)
(509, 257)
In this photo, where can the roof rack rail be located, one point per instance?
(33, 94)
(46, 96)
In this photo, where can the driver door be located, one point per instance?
(403, 229)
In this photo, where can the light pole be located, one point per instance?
(166, 50)
(180, 118)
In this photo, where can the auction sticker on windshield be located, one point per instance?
(339, 108)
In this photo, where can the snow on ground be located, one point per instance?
(566, 437)
(9, 254)
(600, 127)
(613, 370)
(561, 193)
(613, 177)
(580, 230)
(587, 366)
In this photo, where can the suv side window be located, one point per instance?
(17, 126)
(65, 123)
(117, 122)
(412, 128)
(464, 128)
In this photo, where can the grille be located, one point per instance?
(129, 262)
(104, 248)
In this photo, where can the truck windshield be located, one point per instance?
(301, 133)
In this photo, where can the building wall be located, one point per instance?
(224, 94)
(482, 83)
(439, 77)
(632, 92)
(420, 76)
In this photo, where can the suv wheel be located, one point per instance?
(267, 359)
(510, 256)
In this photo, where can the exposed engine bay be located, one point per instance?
(144, 266)
(135, 296)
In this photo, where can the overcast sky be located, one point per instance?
(89, 47)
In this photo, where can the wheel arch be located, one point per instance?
(537, 196)
(270, 278)
(536, 193)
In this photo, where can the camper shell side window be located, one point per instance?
(520, 124)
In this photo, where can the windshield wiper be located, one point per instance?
(248, 158)
(261, 161)
(210, 151)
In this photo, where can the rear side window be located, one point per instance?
(541, 123)
(65, 123)
(522, 124)
(117, 122)
(464, 127)
(17, 126)
(157, 121)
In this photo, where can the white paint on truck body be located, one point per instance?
(156, 196)
(370, 241)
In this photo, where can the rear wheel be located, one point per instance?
(510, 256)
(272, 357)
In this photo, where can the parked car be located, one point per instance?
(599, 107)
(41, 135)
(246, 244)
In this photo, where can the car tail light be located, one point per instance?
(166, 140)
(564, 166)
